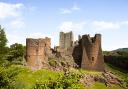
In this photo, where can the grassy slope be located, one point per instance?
(122, 49)
(121, 74)
(26, 79)
(117, 71)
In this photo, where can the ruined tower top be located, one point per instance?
(92, 58)
(92, 40)
(66, 39)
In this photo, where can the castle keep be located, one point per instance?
(86, 52)
(37, 52)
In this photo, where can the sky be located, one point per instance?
(23, 19)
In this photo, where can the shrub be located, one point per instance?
(68, 81)
(53, 62)
(63, 63)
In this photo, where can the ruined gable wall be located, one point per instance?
(92, 58)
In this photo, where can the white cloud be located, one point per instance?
(38, 35)
(12, 15)
(114, 47)
(15, 38)
(71, 26)
(77, 28)
(70, 10)
(93, 25)
(10, 10)
(102, 25)
(105, 25)
(65, 11)
(17, 24)
(124, 23)
(126, 43)
(75, 7)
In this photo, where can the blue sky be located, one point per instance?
(40, 18)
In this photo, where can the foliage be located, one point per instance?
(3, 39)
(12, 55)
(7, 77)
(20, 77)
(118, 58)
(122, 49)
(3, 42)
(63, 63)
(53, 62)
(118, 52)
(68, 81)
(118, 61)
(16, 52)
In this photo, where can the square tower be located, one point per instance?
(66, 40)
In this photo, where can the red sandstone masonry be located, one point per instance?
(36, 51)
(92, 58)
(87, 52)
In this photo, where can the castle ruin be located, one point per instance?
(66, 40)
(87, 53)
(37, 52)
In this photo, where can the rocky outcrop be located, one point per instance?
(107, 78)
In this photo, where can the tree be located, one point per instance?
(16, 52)
(3, 42)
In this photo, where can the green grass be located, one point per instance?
(28, 79)
(20, 77)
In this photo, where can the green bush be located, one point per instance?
(7, 76)
(68, 81)
(63, 63)
(53, 62)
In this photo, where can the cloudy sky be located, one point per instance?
(40, 18)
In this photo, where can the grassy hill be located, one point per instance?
(122, 49)
(20, 77)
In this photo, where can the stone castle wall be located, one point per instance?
(92, 58)
(37, 51)
(86, 52)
